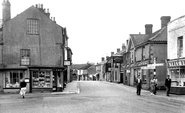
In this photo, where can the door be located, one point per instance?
(54, 81)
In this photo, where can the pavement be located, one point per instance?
(74, 88)
(71, 88)
(160, 93)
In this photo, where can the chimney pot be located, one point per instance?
(165, 20)
(148, 28)
(42, 6)
(112, 53)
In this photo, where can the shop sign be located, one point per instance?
(117, 59)
(67, 62)
(176, 63)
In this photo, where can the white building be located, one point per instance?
(176, 54)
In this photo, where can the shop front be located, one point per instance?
(176, 70)
(11, 79)
(46, 79)
(38, 79)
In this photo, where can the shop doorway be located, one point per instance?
(55, 81)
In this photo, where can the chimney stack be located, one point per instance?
(118, 50)
(107, 57)
(48, 14)
(123, 47)
(6, 11)
(112, 53)
(102, 59)
(148, 29)
(165, 20)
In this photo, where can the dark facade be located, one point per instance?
(32, 48)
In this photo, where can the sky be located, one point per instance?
(98, 27)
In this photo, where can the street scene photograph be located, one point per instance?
(92, 56)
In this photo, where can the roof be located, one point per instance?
(138, 38)
(160, 35)
(86, 66)
(78, 66)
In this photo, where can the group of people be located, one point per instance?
(153, 85)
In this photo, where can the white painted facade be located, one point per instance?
(176, 70)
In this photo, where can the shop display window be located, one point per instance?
(41, 79)
(178, 77)
(12, 79)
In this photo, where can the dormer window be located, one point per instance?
(32, 26)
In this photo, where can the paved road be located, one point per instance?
(95, 97)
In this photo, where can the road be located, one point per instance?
(95, 97)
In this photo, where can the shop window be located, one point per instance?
(32, 26)
(41, 79)
(25, 56)
(12, 79)
(180, 46)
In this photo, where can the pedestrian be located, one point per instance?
(153, 85)
(138, 85)
(168, 85)
(22, 88)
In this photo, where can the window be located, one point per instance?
(12, 79)
(180, 46)
(25, 56)
(32, 26)
(41, 79)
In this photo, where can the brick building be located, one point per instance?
(145, 49)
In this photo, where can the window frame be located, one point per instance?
(18, 78)
(21, 57)
(32, 28)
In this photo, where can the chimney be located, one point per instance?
(54, 19)
(102, 59)
(148, 29)
(118, 50)
(112, 53)
(48, 14)
(164, 21)
(123, 46)
(41, 6)
(6, 11)
(107, 57)
(127, 42)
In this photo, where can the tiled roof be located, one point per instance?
(160, 35)
(78, 66)
(138, 38)
(86, 66)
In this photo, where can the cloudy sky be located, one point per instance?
(98, 27)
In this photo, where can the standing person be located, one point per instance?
(168, 85)
(139, 85)
(153, 85)
(23, 88)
